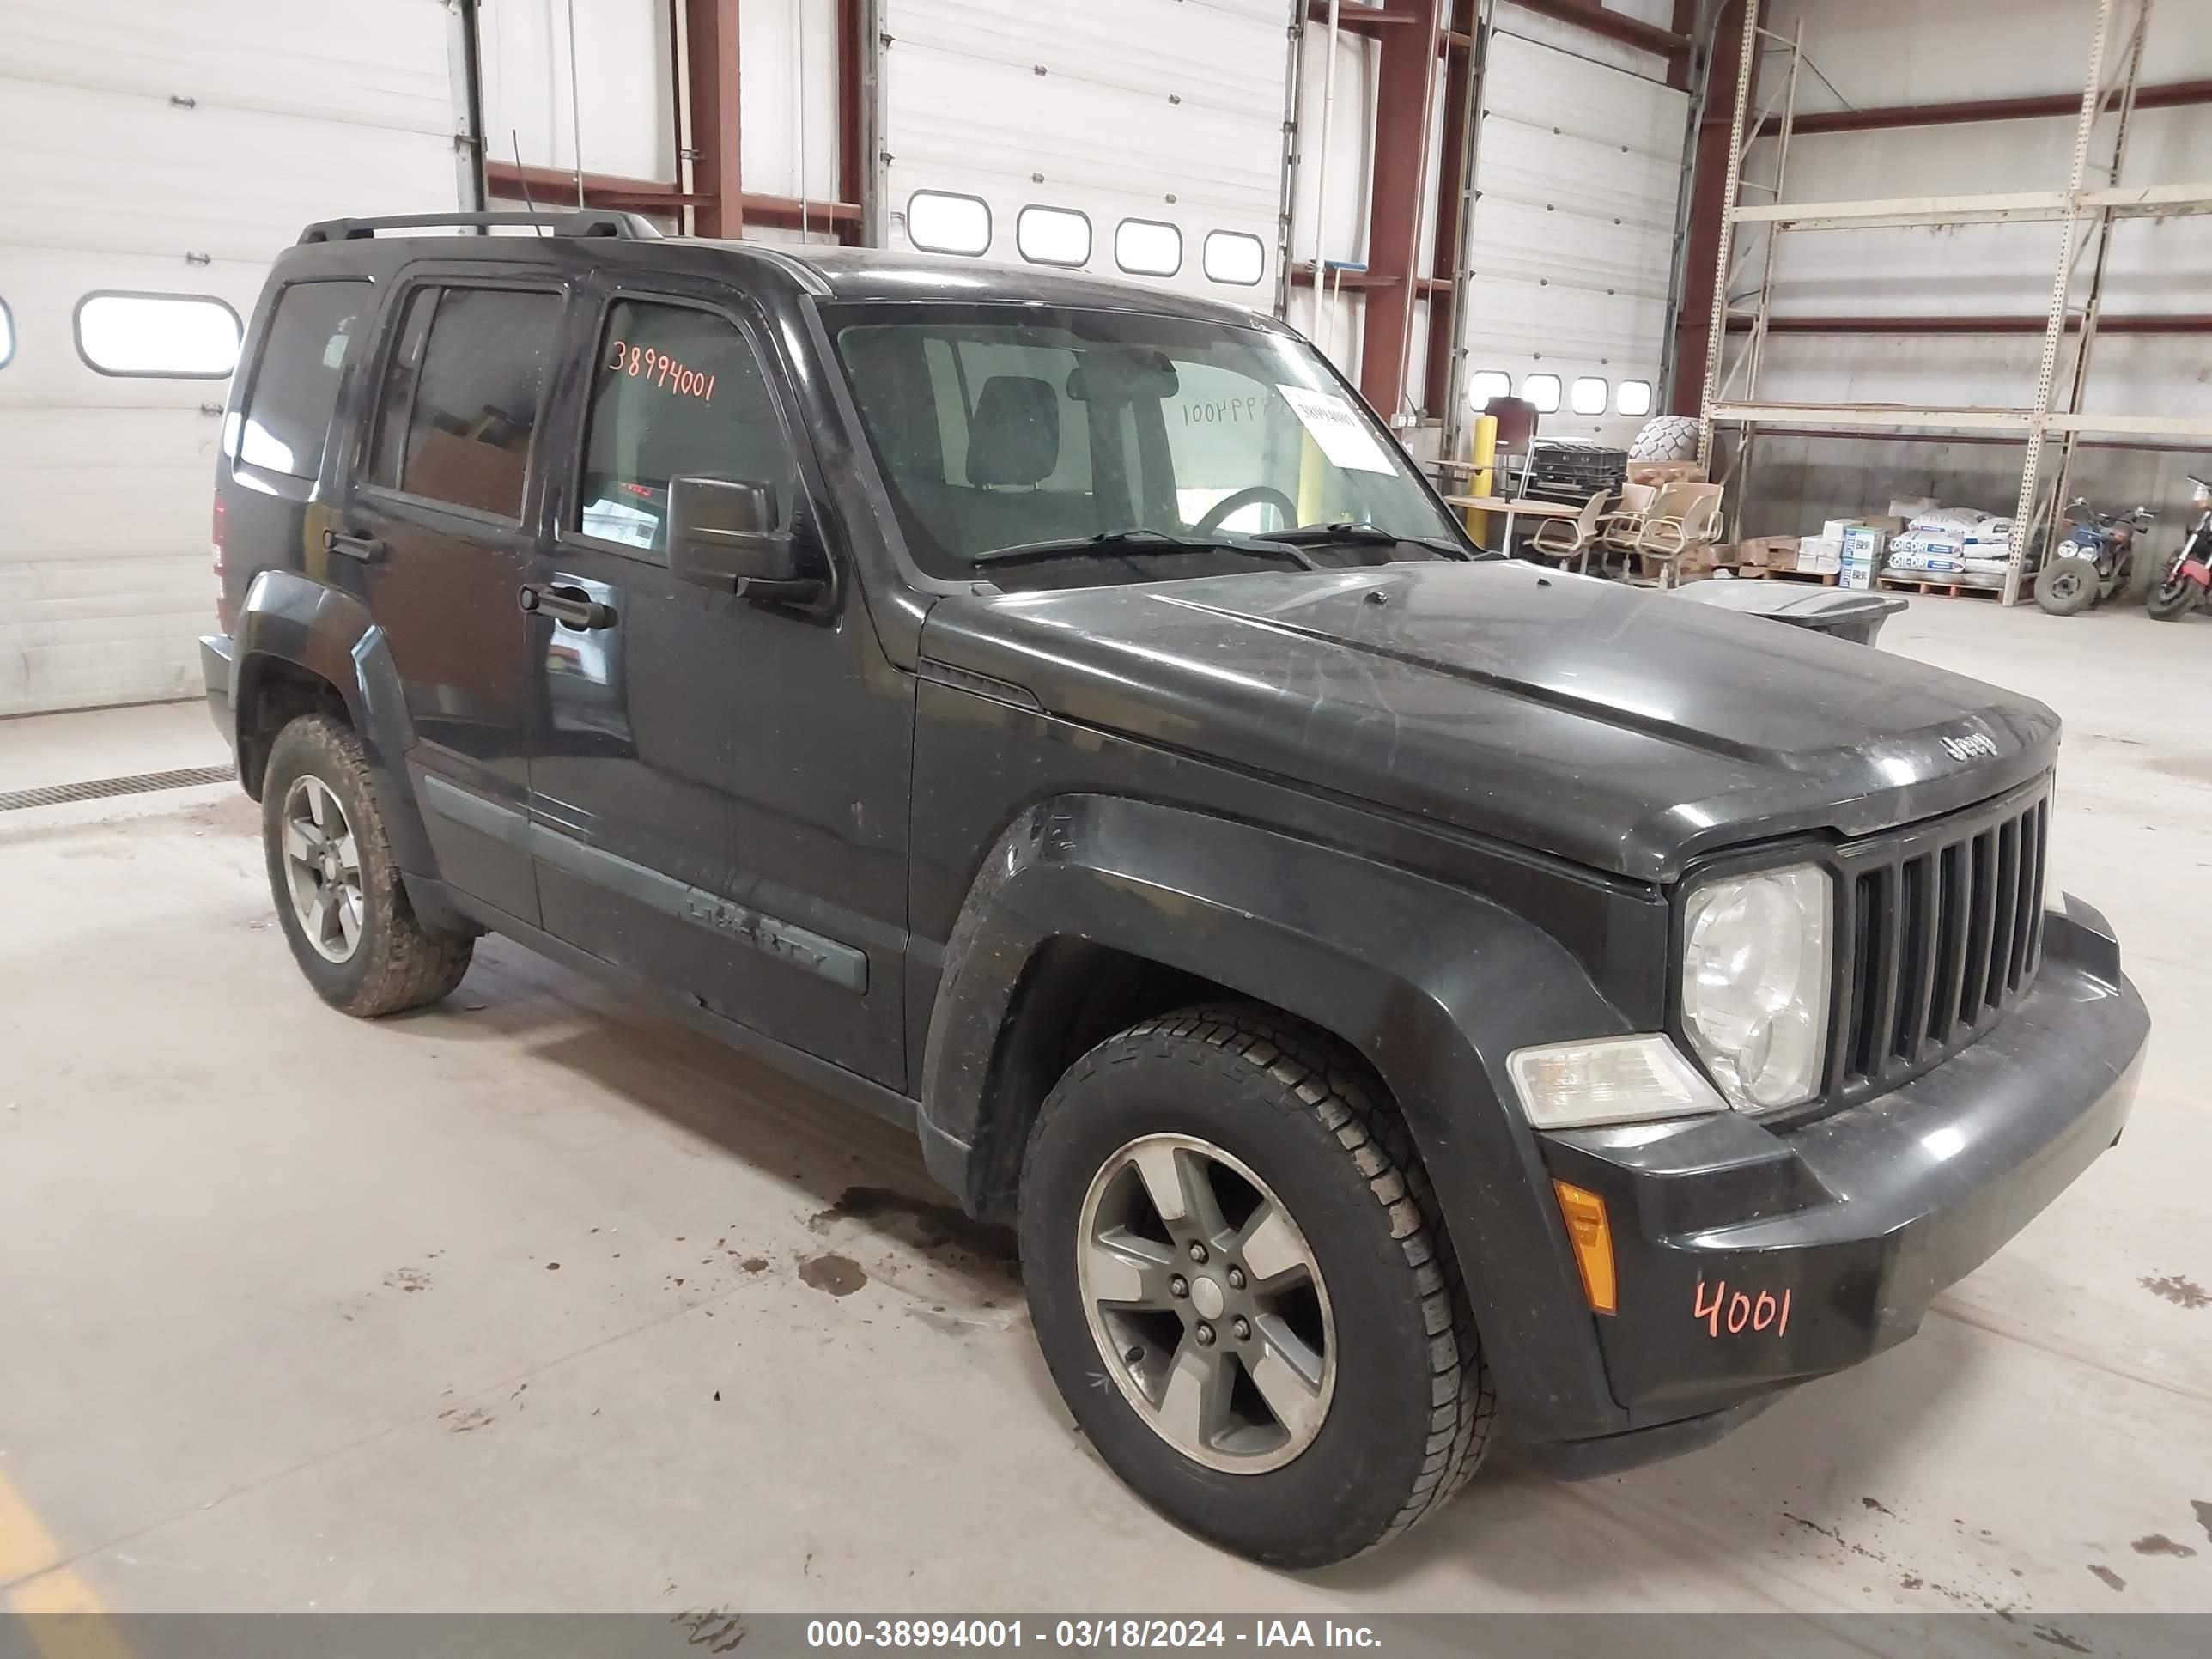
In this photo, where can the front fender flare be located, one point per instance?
(1432, 985)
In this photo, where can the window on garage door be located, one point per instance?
(461, 394)
(171, 336)
(1148, 247)
(1233, 258)
(287, 420)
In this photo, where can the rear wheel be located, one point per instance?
(340, 898)
(1242, 1285)
(2066, 587)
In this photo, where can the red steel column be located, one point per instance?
(1406, 59)
(711, 40)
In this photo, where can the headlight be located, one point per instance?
(1755, 963)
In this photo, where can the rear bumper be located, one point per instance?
(1752, 1258)
(215, 652)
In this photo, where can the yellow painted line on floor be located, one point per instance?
(25, 1545)
(65, 1618)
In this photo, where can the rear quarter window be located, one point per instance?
(286, 423)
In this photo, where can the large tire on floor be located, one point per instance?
(2066, 587)
(1241, 1284)
(339, 897)
(1666, 438)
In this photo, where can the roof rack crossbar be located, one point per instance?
(629, 227)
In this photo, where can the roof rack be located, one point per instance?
(629, 227)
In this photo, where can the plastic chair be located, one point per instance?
(1565, 539)
(1618, 528)
(1684, 516)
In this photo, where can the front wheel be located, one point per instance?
(2066, 587)
(339, 894)
(2172, 596)
(1240, 1283)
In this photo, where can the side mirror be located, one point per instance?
(722, 534)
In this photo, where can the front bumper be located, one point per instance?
(215, 652)
(1752, 1257)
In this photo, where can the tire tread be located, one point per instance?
(411, 964)
(1314, 1075)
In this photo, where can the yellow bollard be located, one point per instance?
(1482, 452)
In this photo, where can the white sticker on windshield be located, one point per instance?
(1337, 427)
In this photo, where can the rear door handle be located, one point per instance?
(367, 549)
(572, 607)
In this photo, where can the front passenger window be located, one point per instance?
(677, 393)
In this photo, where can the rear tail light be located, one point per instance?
(222, 587)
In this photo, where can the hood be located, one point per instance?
(1618, 728)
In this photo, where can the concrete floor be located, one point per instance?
(507, 1304)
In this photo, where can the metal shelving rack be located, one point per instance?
(2085, 214)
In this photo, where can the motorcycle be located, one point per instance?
(2093, 562)
(2184, 581)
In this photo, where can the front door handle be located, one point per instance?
(367, 549)
(572, 607)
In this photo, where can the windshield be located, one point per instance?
(1001, 427)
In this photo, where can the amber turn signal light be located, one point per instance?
(1592, 1236)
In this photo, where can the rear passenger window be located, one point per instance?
(677, 394)
(460, 398)
(295, 386)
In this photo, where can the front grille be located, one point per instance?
(1942, 928)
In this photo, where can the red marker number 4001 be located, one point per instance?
(1740, 1312)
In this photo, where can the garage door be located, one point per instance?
(1142, 139)
(158, 153)
(1579, 164)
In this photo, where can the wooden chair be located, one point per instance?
(1565, 538)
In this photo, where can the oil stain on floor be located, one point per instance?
(835, 1275)
(2182, 1292)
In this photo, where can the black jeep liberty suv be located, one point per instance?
(1402, 996)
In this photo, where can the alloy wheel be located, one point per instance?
(1206, 1303)
(322, 869)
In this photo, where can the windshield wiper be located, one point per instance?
(1155, 542)
(1362, 535)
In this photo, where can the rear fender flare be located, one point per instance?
(291, 619)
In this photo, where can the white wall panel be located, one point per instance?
(1169, 110)
(621, 116)
(171, 146)
(1579, 165)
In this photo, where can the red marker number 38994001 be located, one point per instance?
(1732, 1313)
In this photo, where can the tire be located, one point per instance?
(362, 950)
(1666, 438)
(2066, 587)
(1405, 1409)
(2172, 596)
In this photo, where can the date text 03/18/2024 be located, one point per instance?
(1086, 1635)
